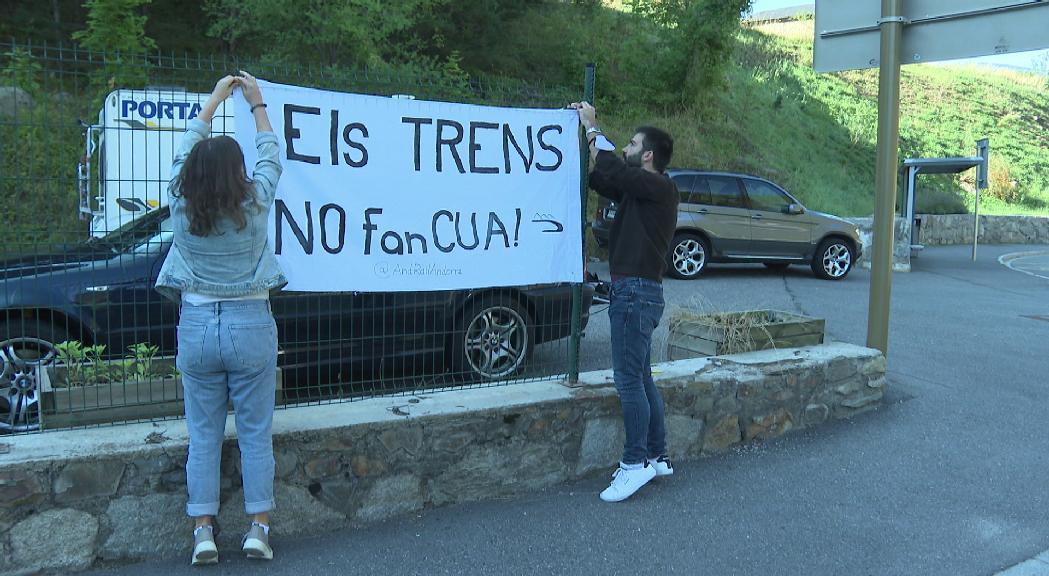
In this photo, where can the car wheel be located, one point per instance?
(687, 257)
(833, 259)
(777, 266)
(495, 339)
(25, 350)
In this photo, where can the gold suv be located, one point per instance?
(726, 217)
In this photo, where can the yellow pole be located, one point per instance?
(885, 176)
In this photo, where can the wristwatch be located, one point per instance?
(593, 130)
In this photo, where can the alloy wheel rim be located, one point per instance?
(21, 362)
(496, 342)
(836, 260)
(689, 257)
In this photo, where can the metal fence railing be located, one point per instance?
(84, 337)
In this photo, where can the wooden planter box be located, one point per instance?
(156, 397)
(730, 332)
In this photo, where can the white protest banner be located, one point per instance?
(381, 194)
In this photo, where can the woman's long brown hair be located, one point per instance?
(214, 185)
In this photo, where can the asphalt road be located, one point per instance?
(949, 477)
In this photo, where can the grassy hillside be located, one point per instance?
(815, 133)
(772, 116)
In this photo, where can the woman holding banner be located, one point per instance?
(221, 270)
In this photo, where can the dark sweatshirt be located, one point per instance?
(646, 216)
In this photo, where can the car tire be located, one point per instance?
(833, 259)
(493, 338)
(688, 256)
(26, 348)
(777, 266)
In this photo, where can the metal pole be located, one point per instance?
(983, 150)
(912, 191)
(577, 290)
(976, 222)
(885, 176)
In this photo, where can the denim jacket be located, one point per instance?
(229, 263)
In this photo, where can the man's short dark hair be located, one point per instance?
(661, 145)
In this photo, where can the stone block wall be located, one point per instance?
(901, 248)
(947, 229)
(943, 229)
(70, 498)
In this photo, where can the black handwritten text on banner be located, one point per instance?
(382, 194)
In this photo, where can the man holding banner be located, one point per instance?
(647, 202)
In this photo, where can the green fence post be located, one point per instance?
(577, 290)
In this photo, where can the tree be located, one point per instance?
(698, 37)
(231, 21)
(348, 33)
(708, 31)
(118, 29)
(115, 26)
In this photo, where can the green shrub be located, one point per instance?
(938, 201)
(39, 146)
(1001, 183)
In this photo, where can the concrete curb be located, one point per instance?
(1007, 260)
(1037, 566)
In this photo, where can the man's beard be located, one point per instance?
(633, 159)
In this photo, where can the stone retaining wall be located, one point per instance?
(942, 229)
(69, 498)
(901, 249)
(945, 229)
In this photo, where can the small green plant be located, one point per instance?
(85, 364)
(120, 370)
(141, 359)
(95, 369)
(71, 355)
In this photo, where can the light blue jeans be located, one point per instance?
(228, 351)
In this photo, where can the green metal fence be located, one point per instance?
(84, 338)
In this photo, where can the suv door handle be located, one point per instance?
(755, 216)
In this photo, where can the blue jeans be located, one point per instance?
(634, 312)
(228, 351)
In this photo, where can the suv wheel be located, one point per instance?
(833, 259)
(687, 257)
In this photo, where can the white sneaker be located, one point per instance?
(204, 550)
(662, 465)
(626, 482)
(257, 542)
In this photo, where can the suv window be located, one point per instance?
(764, 196)
(701, 191)
(720, 191)
(684, 187)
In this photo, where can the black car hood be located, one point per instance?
(50, 263)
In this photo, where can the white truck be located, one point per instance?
(135, 140)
